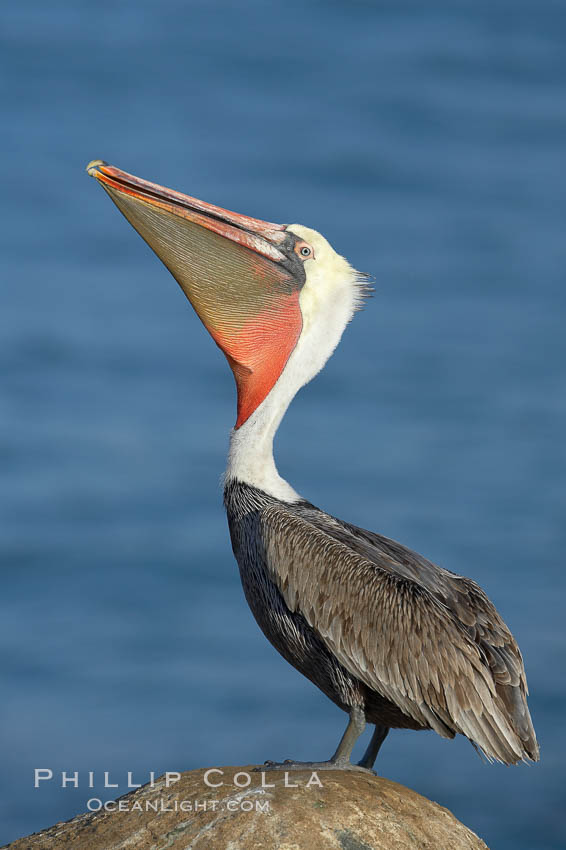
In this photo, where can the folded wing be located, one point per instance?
(429, 641)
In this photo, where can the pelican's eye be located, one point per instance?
(303, 250)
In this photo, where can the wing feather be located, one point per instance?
(429, 641)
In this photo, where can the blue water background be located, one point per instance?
(427, 142)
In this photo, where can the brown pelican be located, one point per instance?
(388, 636)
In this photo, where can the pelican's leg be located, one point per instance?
(377, 739)
(341, 758)
(354, 729)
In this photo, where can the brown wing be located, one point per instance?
(466, 601)
(444, 659)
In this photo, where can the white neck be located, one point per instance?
(250, 458)
(328, 300)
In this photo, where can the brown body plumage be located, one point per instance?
(373, 624)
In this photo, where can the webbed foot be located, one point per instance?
(331, 764)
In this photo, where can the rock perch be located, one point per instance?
(235, 808)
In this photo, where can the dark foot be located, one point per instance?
(338, 764)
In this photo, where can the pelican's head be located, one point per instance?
(262, 290)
